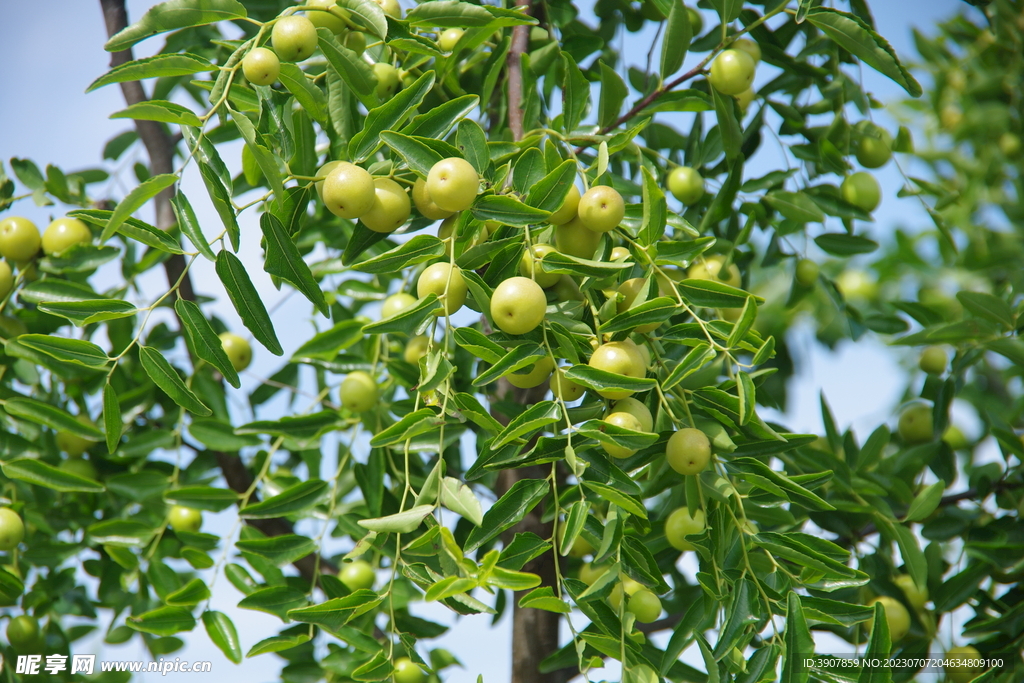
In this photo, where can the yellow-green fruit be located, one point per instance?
(1009, 144)
(620, 358)
(745, 98)
(620, 254)
(637, 409)
(348, 191)
(64, 233)
(73, 444)
(407, 671)
(688, 451)
(261, 66)
(447, 283)
(396, 303)
(601, 209)
(19, 239)
(426, 207)
(896, 616)
(534, 375)
(732, 72)
(589, 573)
(12, 529)
(238, 350)
(567, 211)
(7, 279)
(748, 46)
(358, 392)
(686, 184)
(80, 467)
(626, 421)
(645, 606)
(391, 207)
(322, 174)
(391, 8)
(357, 575)
(564, 388)
(629, 290)
(696, 21)
(294, 38)
(872, 145)
(806, 272)
(629, 586)
(679, 524)
(915, 424)
(575, 239)
(452, 184)
(566, 289)
(955, 437)
(711, 269)
(934, 360)
(917, 596)
(449, 39)
(645, 353)
(183, 518)
(862, 190)
(963, 664)
(518, 305)
(389, 81)
(355, 41)
(24, 635)
(529, 265)
(856, 285)
(416, 349)
(328, 15)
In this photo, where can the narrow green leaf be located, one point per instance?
(222, 632)
(158, 66)
(39, 473)
(284, 260)
(613, 94)
(247, 301)
(280, 550)
(189, 224)
(507, 210)
(113, 422)
(51, 416)
(163, 621)
(400, 523)
(173, 15)
(167, 378)
(799, 645)
(676, 42)
(204, 341)
(389, 116)
(135, 200)
(418, 155)
(159, 110)
(310, 97)
(417, 250)
(298, 498)
(575, 94)
(76, 351)
(529, 421)
(507, 511)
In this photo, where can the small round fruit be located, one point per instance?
(406, 671)
(601, 208)
(64, 233)
(452, 184)
(732, 72)
(745, 98)
(327, 14)
(529, 265)
(626, 421)
(620, 254)
(856, 285)
(567, 211)
(184, 518)
(355, 41)
(389, 81)
(261, 66)
(79, 466)
(7, 279)
(934, 360)
(23, 633)
(357, 575)
(629, 290)
(426, 207)
(73, 444)
(915, 425)
(391, 8)
(565, 289)
(896, 616)
(679, 524)
(348, 191)
(19, 239)
(620, 358)
(534, 376)
(696, 21)
(589, 573)
(638, 410)
(688, 451)
(294, 38)
(955, 438)
(12, 529)
(645, 606)
(518, 305)
(1009, 144)
(391, 207)
(396, 303)
(806, 272)
(645, 353)
(416, 349)
(872, 145)
(449, 39)
(963, 664)
(629, 586)
(358, 392)
(686, 185)
(917, 596)
(322, 173)
(575, 239)
(750, 47)
(862, 190)
(447, 283)
(711, 269)
(564, 388)
(238, 350)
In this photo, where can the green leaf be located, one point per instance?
(159, 110)
(713, 294)
(277, 644)
(219, 436)
(336, 612)
(310, 97)
(575, 94)
(507, 210)
(51, 416)
(602, 380)
(728, 126)
(167, 378)
(302, 428)
(284, 260)
(279, 550)
(400, 523)
(135, 200)
(925, 502)
(988, 306)
(613, 495)
(853, 35)
(699, 356)
(572, 265)
(350, 68)
(247, 301)
(389, 116)
(76, 351)
(649, 312)
(507, 511)
(202, 497)
(39, 473)
(528, 422)
(276, 600)
(478, 344)
(459, 498)
(728, 10)
(412, 318)
(265, 159)
(544, 598)
(456, 14)
(678, 34)
(793, 490)
(122, 533)
(192, 593)
(222, 632)
(809, 551)
(189, 225)
(164, 621)
(87, 312)
(368, 14)
(419, 156)
(158, 66)
(471, 408)
(204, 341)
(298, 498)
(172, 15)
(548, 193)
(842, 244)
(472, 143)
(113, 422)
(799, 644)
(417, 250)
(613, 94)
(132, 228)
(796, 206)
(879, 647)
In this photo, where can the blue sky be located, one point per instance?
(50, 59)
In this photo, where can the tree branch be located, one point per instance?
(160, 148)
(520, 43)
